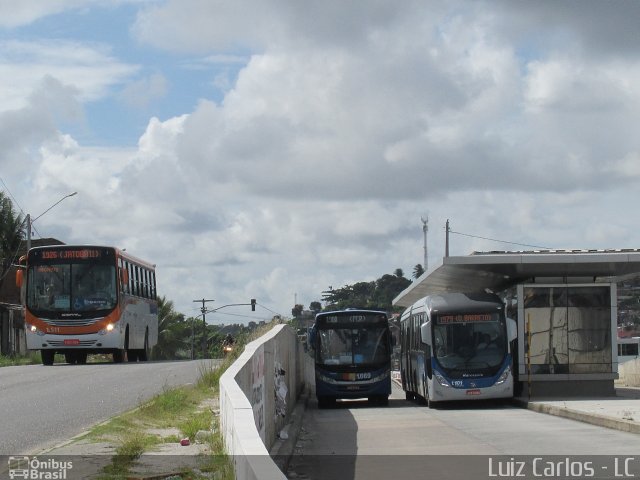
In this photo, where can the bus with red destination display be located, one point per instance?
(82, 300)
(456, 346)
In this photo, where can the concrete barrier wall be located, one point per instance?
(629, 373)
(257, 394)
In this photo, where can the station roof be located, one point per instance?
(499, 270)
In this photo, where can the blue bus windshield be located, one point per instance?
(473, 345)
(365, 345)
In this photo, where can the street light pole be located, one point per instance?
(30, 222)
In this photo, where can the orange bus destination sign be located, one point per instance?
(81, 254)
(468, 318)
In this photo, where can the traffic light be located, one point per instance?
(253, 304)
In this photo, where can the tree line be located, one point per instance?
(11, 235)
(375, 295)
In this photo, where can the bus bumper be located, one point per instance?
(327, 387)
(471, 392)
(96, 342)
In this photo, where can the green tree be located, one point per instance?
(296, 311)
(418, 270)
(387, 288)
(11, 234)
(174, 333)
(378, 294)
(315, 307)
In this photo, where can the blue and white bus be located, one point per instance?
(352, 352)
(456, 346)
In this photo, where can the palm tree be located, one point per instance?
(11, 234)
(418, 270)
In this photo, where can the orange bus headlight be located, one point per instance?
(34, 329)
(108, 329)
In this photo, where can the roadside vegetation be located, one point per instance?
(188, 412)
(169, 417)
(30, 359)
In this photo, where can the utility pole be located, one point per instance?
(425, 229)
(203, 309)
(28, 232)
(446, 243)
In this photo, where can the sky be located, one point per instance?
(274, 149)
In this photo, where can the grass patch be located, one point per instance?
(33, 358)
(134, 443)
(210, 375)
(168, 403)
(195, 423)
(113, 429)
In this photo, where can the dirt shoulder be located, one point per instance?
(167, 452)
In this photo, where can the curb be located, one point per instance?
(591, 418)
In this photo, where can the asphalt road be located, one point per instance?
(43, 406)
(406, 440)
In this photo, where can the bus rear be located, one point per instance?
(352, 350)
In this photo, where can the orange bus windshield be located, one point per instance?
(71, 287)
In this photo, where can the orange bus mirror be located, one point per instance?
(19, 278)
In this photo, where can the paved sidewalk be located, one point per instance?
(620, 412)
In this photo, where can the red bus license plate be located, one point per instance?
(72, 341)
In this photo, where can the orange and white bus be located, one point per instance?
(89, 299)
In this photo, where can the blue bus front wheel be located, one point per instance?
(326, 402)
(382, 400)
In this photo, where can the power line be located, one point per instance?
(239, 315)
(500, 241)
(268, 309)
(11, 195)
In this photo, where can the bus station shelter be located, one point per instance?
(565, 305)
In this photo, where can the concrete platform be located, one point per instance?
(620, 412)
